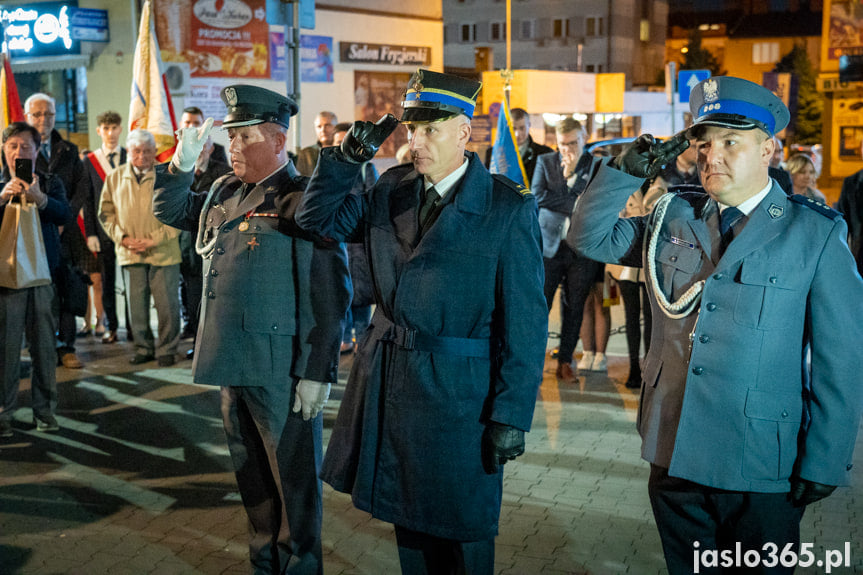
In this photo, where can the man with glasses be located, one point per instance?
(60, 158)
(559, 179)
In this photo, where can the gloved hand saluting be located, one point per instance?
(804, 492)
(644, 157)
(500, 443)
(364, 138)
(190, 142)
(311, 397)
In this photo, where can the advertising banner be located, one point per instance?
(218, 38)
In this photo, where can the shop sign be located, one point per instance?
(90, 25)
(222, 38)
(363, 52)
(39, 29)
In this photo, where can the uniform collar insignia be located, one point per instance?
(775, 211)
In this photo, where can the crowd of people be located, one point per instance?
(740, 270)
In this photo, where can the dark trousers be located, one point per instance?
(28, 312)
(577, 274)
(634, 303)
(424, 554)
(276, 458)
(716, 519)
(191, 282)
(356, 322)
(108, 266)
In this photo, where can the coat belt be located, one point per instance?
(410, 339)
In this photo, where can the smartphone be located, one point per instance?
(24, 169)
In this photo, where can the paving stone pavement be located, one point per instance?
(138, 481)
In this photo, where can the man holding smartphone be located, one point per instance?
(30, 308)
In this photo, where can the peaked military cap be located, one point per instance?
(250, 105)
(432, 96)
(736, 103)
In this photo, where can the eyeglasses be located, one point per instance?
(40, 115)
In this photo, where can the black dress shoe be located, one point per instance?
(141, 358)
(110, 336)
(85, 332)
(166, 360)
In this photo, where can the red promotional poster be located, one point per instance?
(223, 38)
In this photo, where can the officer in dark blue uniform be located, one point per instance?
(751, 397)
(271, 321)
(445, 379)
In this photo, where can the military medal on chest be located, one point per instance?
(244, 225)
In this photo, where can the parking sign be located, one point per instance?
(686, 81)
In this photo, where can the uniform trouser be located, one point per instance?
(578, 274)
(162, 282)
(28, 311)
(424, 554)
(277, 458)
(687, 512)
(108, 266)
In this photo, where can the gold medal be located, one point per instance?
(244, 225)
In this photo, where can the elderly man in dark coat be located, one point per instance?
(445, 380)
(271, 321)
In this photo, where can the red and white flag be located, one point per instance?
(151, 108)
(10, 103)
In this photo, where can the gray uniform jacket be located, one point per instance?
(737, 406)
(273, 305)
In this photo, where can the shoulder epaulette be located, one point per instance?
(825, 211)
(520, 189)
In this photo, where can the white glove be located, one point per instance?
(190, 142)
(311, 397)
(93, 244)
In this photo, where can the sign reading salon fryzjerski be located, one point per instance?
(363, 52)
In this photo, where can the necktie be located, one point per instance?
(46, 151)
(727, 219)
(431, 196)
(111, 159)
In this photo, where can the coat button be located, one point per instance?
(211, 294)
(275, 327)
(784, 413)
(772, 279)
(849, 466)
(257, 228)
(718, 276)
(214, 273)
(673, 258)
(220, 250)
(711, 306)
(697, 370)
(704, 338)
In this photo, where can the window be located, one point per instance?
(644, 30)
(765, 52)
(497, 31)
(594, 26)
(528, 29)
(560, 28)
(468, 33)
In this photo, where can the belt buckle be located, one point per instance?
(408, 339)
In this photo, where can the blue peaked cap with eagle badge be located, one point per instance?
(432, 96)
(250, 105)
(736, 103)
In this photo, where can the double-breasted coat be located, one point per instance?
(729, 398)
(457, 340)
(273, 304)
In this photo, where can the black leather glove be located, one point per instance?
(804, 492)
(644, 157)
(364, 138)
(500, 443)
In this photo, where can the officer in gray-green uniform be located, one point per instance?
(751, 393)
(271, 321)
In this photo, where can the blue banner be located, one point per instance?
(505, 159)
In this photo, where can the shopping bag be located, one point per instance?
(23, 260)
(610, 292)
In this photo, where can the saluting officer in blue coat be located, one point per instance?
(742, 428)
(271, 321)
(445, 379)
